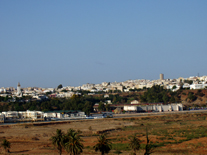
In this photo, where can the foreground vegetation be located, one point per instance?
(165, 131)
(6, 145)
(70, 141)
(172, 134)
(177, 130)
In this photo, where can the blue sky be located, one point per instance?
(47, 43)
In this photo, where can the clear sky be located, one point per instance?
(73, 42)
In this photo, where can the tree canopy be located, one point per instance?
(157, 94)
(103, 145)
(59, 86)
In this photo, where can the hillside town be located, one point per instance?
(37, 93)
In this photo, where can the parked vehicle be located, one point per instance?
(108, 115)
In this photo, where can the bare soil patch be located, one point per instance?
(169, 134)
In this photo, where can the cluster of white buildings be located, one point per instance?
(126, 86)
(34, 93)
(23, 116)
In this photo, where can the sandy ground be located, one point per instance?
(32, 139)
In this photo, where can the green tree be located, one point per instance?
(6, 145)
(148, 147)
(114, 99)
(107, 107)
(59, 86)
(6, 98)
(191, 96)
(73, 144)
(174, 87)
(57, 140)
(199, 93)
(64, 90)
(88, 107)
(134, 144)
(172, 99)
(189, 81)
(101, 106)
(155, 94)
(165, 98)
(68, 134)
(103, 145)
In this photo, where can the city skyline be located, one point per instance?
(161, 78)
(47, 43)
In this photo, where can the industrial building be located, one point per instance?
(154, 107)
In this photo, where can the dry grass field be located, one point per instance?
(169, 134)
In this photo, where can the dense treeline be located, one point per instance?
(155, 94)
(76, 102)
(158, 94)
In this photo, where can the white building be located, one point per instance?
(23, 114)
(40, 97)
(198, 86)
(186, 85)
(31, 114)
(130, 108)
(134, 102)
(52, 115)
(2, 90)
(160, 108)
(10, 114)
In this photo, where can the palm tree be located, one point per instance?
(73, 143)
(134, 144)
(103, 145)
(70, 131)
(148, 148)
(57, 140)
(6, 145)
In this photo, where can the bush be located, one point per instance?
(90, 128)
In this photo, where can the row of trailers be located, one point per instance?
(153, 107)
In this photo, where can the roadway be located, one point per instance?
(126, 115)
(157, 113)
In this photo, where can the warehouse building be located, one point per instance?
(153, 107)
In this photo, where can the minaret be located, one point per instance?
(19, 93)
